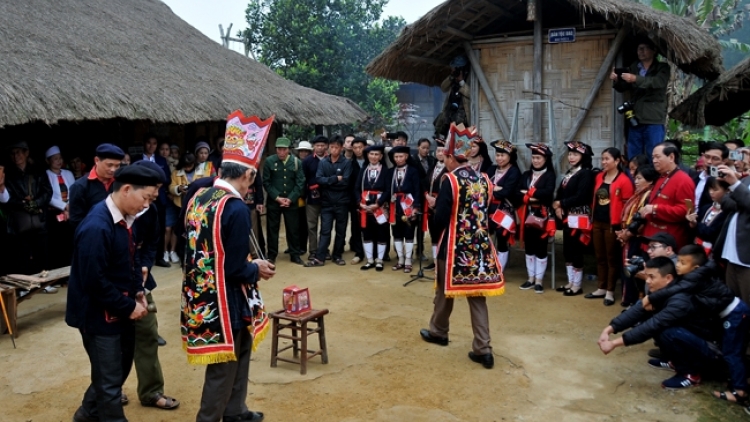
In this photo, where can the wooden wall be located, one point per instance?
(569, 72)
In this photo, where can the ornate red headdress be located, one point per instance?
(245, 139)
(460, 139)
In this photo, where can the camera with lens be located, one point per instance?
(713, 171)
(627, 108)
(635, 224)
(634, 265)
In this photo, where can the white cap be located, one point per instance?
(52, 151)
(304, 146)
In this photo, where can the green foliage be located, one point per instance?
(325, 45)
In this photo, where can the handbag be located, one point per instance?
(534, 222)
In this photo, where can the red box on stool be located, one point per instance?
(296, 300)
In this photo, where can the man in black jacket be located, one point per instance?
(333, 176)
(97, 185)
(686, 335)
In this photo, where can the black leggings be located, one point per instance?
(535, 244)
(502, 240)
(573, 248)
(402, 230)
(375, 232)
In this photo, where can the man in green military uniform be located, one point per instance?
(284, 182)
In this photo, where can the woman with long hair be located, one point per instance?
(479, 157)
(505, 176)
(573, 208)
(537, 225)
(611, 190)
(632, 225)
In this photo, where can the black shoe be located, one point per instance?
(655, 353)
(609, 302)
(593, 296)
(286, 250)
(426, 336)
(248, 416)
(430, 267)
(379, 266)
(387, 258)
(367, 266)
(487, 360)
(161, 342)
(538, 288)
(561, 289)
(570, 292)
(297, 260)
(162, 263)
(526, 285)
(328, 257)
(82, 416)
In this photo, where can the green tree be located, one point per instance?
(325, 45)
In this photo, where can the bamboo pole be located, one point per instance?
(537, 81)
(601, 76)
(487, 89)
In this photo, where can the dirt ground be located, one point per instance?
(547, 364)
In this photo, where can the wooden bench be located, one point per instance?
(299, 333)
(35, 283)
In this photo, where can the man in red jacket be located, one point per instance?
(666, 209)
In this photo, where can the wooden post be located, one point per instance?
(537, 75)
(601, 76)
(487, 89)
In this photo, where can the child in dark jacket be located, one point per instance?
(697, 278)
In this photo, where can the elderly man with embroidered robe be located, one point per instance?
(467, 260)
(222, 310)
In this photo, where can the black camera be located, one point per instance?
(635, 224)
(634, 265)
(626, 108)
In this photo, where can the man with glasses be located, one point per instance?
(660, 244)
(646, 80)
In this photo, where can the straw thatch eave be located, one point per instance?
(718, 101)
(424, 48)
(74, 60)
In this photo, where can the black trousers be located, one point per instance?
(329, 214)
(535, 244)
(111, 358)
(59, 242)
(162, 211)
(355, 239)
(273, 224)
(374, 232)
(403, 231)
(28, 252)
(302, 224)
(573, 248)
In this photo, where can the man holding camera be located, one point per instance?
(646, 80)
(457, 105)
(714, 155)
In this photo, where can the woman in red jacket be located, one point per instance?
(612, 189)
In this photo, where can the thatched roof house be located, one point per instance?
(75, 60)
(425, 47)
(718, 101)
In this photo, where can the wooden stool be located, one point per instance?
(298, 325)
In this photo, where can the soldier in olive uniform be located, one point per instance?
(284, 182)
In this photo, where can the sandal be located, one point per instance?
(736, 397)
(314, 263)
(169, 402)
(398, 267)
(248, 416)
(407, 269)
(124, 399)
(339, 261)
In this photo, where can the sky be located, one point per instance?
(206, 15)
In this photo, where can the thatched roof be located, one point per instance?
(425, 48)
(718, 101)
(135, 59)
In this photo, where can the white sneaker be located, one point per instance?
(356, 260)
(50, 289)
(166, 256)
(174, 257)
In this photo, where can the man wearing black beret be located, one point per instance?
(105, 291)
(89, 191)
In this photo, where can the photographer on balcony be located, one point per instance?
(458, 102)
(646, 80)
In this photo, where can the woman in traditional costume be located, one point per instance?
(505, 177)
(404, 190)
(612, 189)
(573, 208)
(632, 226)
(203, 166)
(436, 180)
(479, 156)
(537, 224)
(371, 190)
